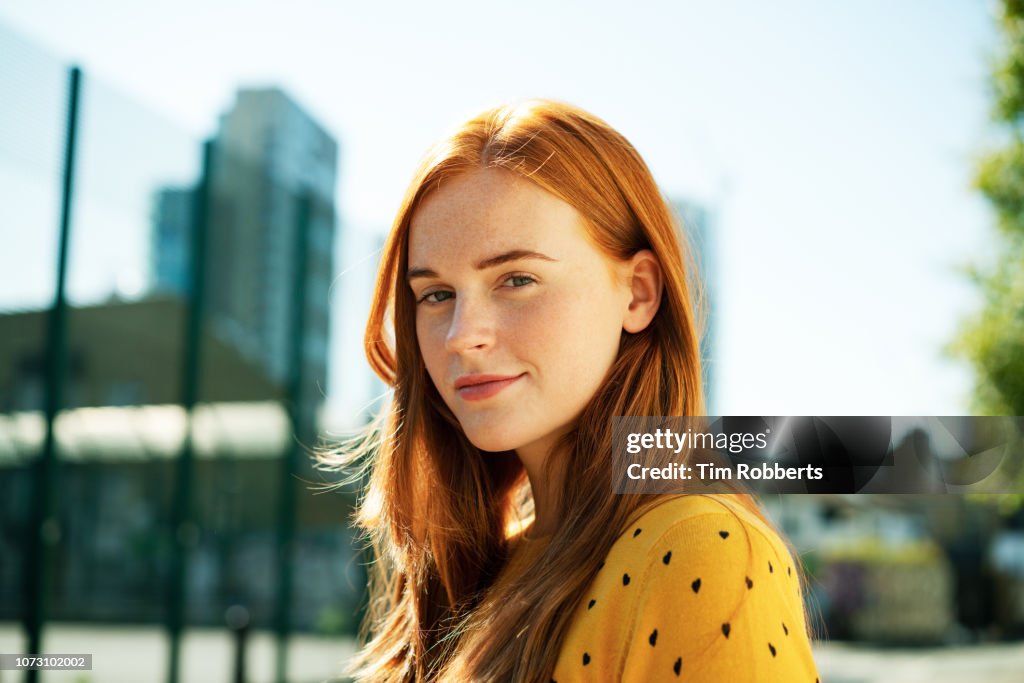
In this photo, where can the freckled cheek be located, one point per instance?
(556, 333)
(430, 335)
(529, 323)
(585, 341)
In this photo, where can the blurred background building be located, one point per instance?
(268, 152)
(697, 224)
(230, 376)
(102, 373)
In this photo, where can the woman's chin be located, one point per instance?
(494, 445)
(492, 442)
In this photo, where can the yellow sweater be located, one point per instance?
(697, 589)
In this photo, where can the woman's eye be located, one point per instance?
(516, 281)
(435, 297)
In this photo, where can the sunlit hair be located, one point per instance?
(437, 511)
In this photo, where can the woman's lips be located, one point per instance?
(478, 391)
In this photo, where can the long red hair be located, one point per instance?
(436, 510)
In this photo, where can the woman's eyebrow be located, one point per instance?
(490, 262)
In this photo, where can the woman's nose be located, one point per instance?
(471, 327)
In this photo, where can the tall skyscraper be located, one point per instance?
(173, 209)
(270, 160)
(697, 223)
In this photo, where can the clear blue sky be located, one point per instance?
(832, 142)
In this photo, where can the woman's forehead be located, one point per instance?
(489, 211)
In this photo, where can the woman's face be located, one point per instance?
(518, 314)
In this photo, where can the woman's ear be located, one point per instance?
(644, 278)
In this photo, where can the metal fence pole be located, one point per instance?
(44, 529)
(298, 412)
(184, 529)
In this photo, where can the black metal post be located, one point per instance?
(184, 529)
(44, 529)
(237, 618)
(298, 412)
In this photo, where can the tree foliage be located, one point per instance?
(993, 339)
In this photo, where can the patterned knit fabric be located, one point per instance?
(697, 589)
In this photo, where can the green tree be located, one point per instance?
(993, 339)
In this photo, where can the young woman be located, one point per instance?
(533, 286)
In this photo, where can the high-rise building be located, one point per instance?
(173, 209)
(697, 224)
(274, 173)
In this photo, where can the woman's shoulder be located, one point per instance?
(723, 515)
(709, 534)
(690, 579)
(702, 536)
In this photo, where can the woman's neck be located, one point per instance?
(546, 487)
(545, 517)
